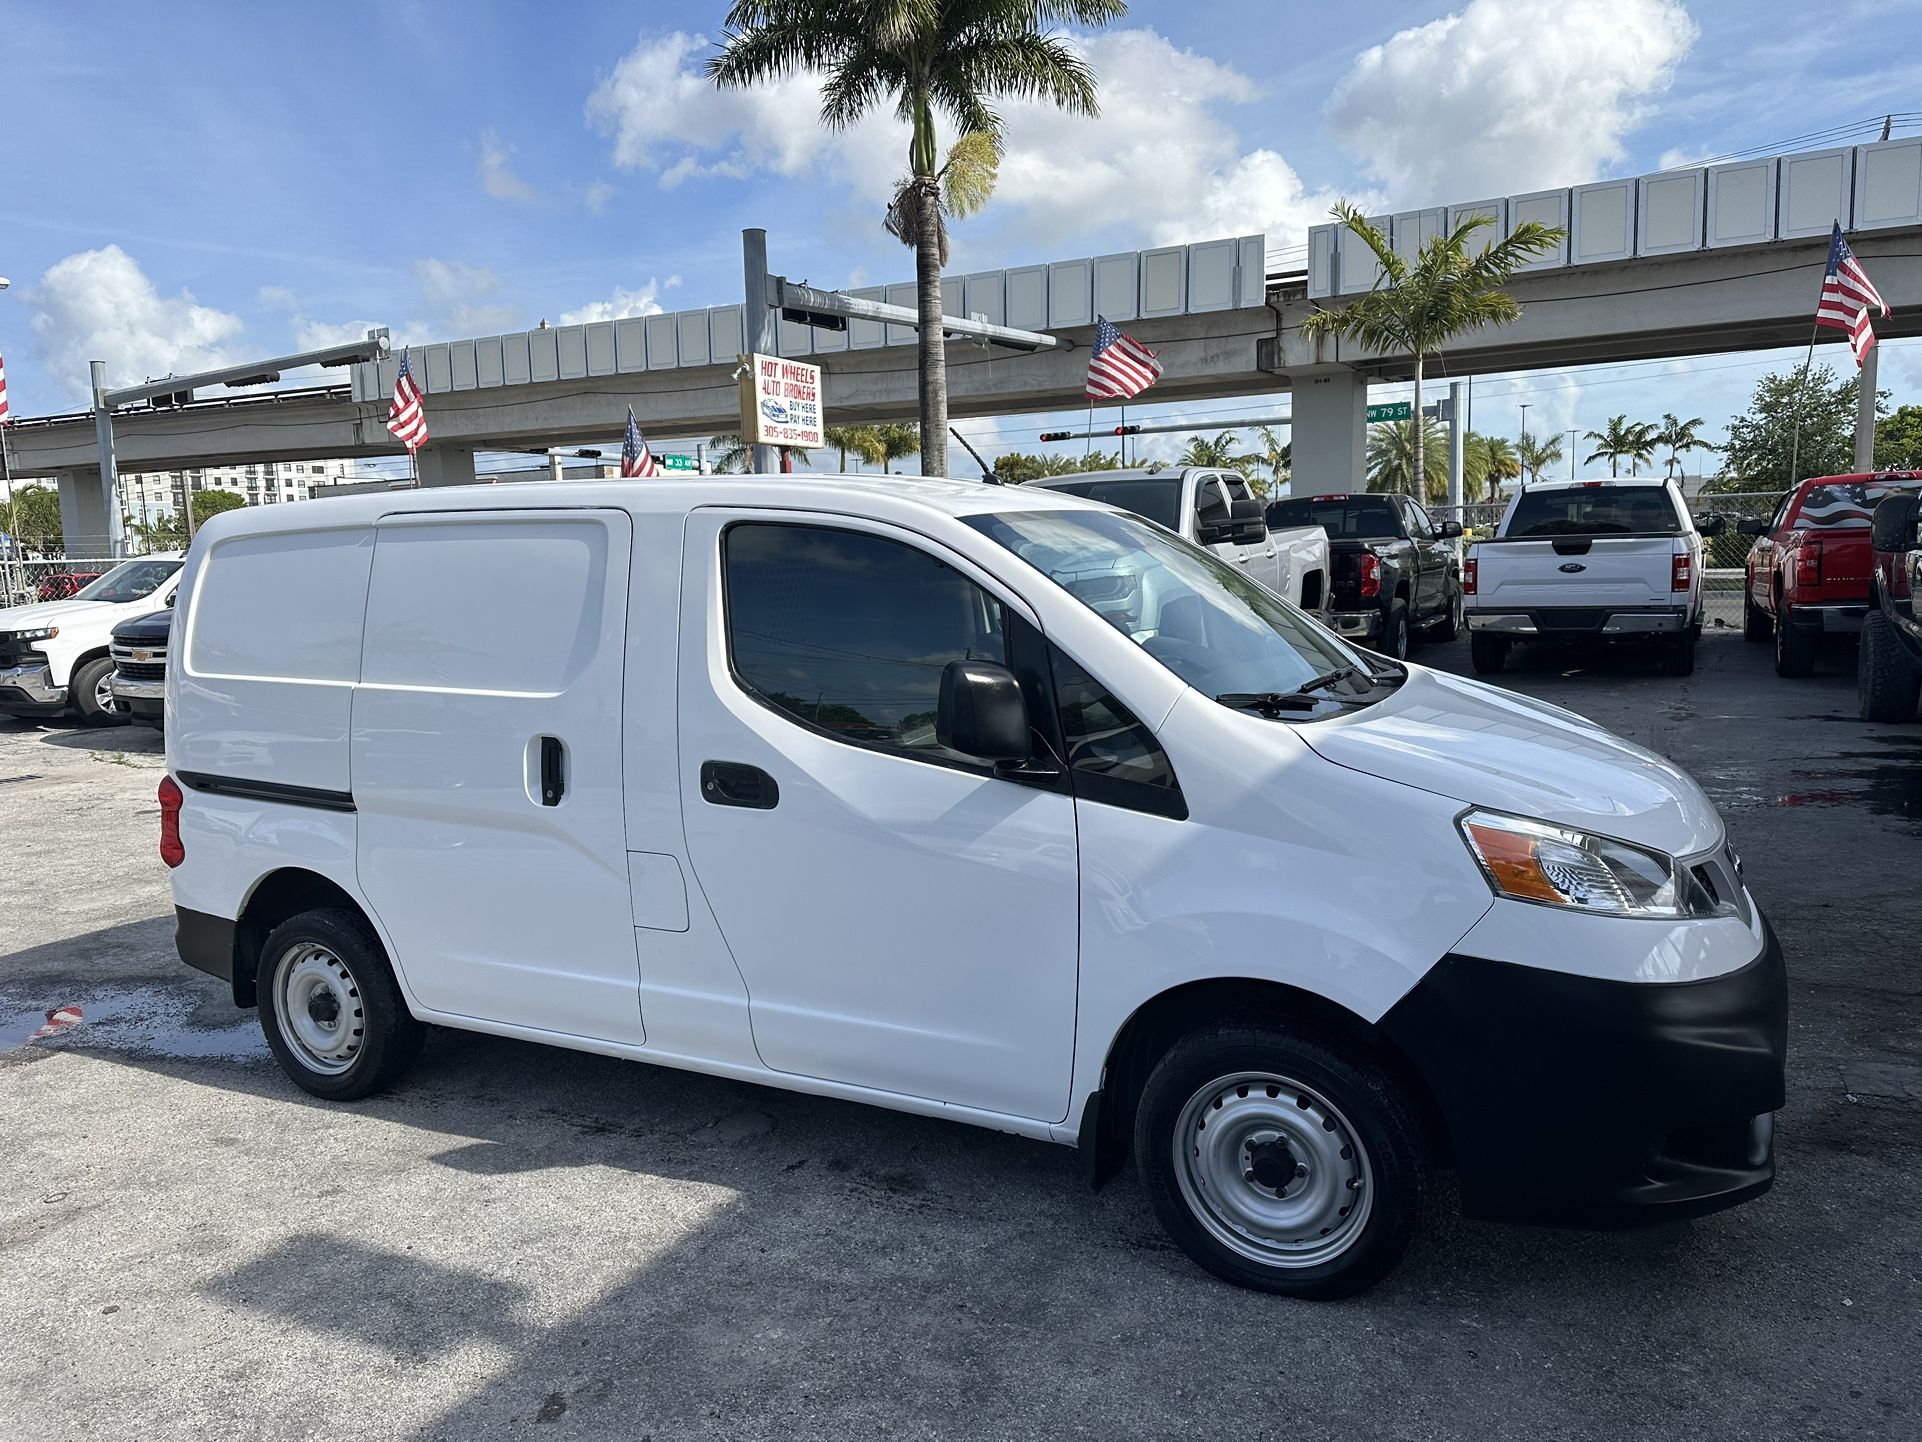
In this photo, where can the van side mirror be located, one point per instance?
(1752, 527)
(170, 599)
(1711, 525)
(1247, 523)
(981, 712)
(1449, 530)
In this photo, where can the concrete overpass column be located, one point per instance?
(1329, 431)
(442, 465)
(84, 515)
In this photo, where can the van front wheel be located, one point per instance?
(1278, 1163)
(330, 1008)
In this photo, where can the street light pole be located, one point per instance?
(1524, 445)
(1573, 432)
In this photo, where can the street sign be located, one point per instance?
(1393, 411)
(781, 403)
(678, 463)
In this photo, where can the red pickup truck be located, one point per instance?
(1808, 574)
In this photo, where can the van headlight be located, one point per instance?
(1550, 865)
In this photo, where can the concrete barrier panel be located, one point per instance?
(461, 361)
(1544, 207)
(1164, 281)
(1741, 203)
(1816, 191)
(1669, 213)
(1888, 184)
(571, 343)
(1028, 297)
(487, 362)
(1070, 294)
(517, 366)
(1603, 222)
(663, 342)
(690, 327)
(630, 344)
(600, 348)
(543, 353)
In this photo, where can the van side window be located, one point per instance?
(1115, 759)
(849, 632)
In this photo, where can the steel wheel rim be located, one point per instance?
(320, 1009)
(1272, 1170)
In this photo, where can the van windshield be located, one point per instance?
(1156, 497)
(1595, 510)
(129, 581)
(1222, 633)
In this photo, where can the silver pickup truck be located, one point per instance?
(1216, 509)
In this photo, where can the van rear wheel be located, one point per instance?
(330, 1008)
(1277, 1162)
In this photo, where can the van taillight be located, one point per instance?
(1808, 563)
(171, 851)
(1471, 569)
(1680, 572)
(1370, 576)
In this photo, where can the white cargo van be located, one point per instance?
(985, 803)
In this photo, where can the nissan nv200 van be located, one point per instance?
(983, 803)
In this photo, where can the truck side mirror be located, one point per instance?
(1711, 525)
(1449, 530)
(1892, 528)
(1752, 527)
(1247, 523)
(981, 712)
(170, 599)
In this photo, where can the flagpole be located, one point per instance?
(1801, 395)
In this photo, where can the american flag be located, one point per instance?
(1847, 297)
(1121, 366)
(636, 458)
(4, 412)
(407, 417)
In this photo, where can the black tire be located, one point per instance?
(1487, 654)
(1888, 683)
(1756, 623)
(1678, 654)
(84, 694)
(1394, 635)
(338, 953)
(1381, 1158)
(1794, 646)
(1449, 625)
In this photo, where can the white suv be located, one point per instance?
(54, 655)
(985, 803)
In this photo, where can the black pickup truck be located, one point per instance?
(1394, 571)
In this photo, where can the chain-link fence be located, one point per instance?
(25, 581)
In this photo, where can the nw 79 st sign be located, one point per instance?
(781, 403)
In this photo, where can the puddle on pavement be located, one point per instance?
(1889, 785)
(135, 1021)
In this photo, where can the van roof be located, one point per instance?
(880, 496)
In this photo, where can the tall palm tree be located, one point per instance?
(1497, 461)
(845, 439)
(1681, 437)
(1218, 451)
(889, 443)
(730, 455)
(1417, 308)
(1623, 440)
(1394, 463)
(1278, 455)
(1538, 453)
(946, 58)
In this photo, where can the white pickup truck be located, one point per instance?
(1589, 560)
(54, 655)
(1216, 509)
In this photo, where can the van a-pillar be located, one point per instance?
(1330, 429)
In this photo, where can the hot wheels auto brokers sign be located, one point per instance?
(781, 403)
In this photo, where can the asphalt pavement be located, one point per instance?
(522, 1241)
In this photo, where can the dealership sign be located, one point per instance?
(781, 403)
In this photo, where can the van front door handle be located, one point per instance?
(734, 783)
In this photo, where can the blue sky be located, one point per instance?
(182, 186)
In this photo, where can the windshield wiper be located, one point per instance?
(1322, 683)
(1268, 703)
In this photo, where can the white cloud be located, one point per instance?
(596, 197)
(461, 299)
(277, 297)
(497, 176)
(624, 303)
(318, 335)
(1507, 95)
(1160, 163)
(99, 305)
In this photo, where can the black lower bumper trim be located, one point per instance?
(1601, 1103)
(16, 702)
(205, 942)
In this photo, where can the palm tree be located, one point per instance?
(1538, 453)
(1681, 437)
(1496, 461)
(887, 444)
(1419, 308)
(1218, 452)
(1278, 455)
(1394, 464)
(845, 439)
(1623, 440)
(732, 455)
(950, 59)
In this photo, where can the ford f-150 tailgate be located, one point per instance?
(1582, 571)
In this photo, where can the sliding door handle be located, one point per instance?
(734, 783)
(553, 771)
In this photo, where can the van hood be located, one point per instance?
(1488, 747)
(53, 613)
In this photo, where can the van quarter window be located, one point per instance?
(849, 632)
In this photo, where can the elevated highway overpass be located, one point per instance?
(1684, 263)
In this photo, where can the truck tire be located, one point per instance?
(1892, 526)
(90, 693)
(330, 1008)
(1794, 646)
(1756, 624)
(1488, 654)
(1394, 632)
(1888, 683)
(1448, 626)
(1279, 1160)
(1678, 654)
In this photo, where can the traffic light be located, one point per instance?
(1127, 430)
(1057, 435)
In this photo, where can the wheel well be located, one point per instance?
(1163, 1020)
(277, 896)
(1311, 591)
(1401, 591)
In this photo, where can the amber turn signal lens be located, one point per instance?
(1512, 862)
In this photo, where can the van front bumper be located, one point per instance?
(1568, 1099)
(1549, 622)
(29, 691)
